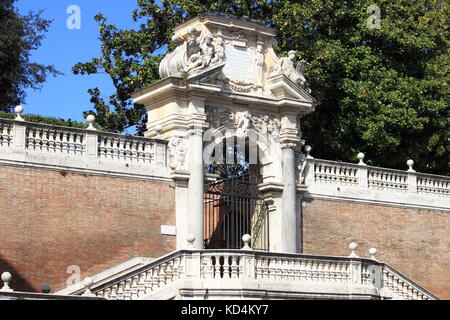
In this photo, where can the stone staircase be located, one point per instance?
(248, 274)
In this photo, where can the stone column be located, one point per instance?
(289, 221)
(196, 122)
(195, 187)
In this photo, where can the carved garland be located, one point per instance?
(241, 86)
(243, 120)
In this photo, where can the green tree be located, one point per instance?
(48, 120)
(19, 35)
(382, 91)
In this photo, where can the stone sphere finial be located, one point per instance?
(191, 240)
(308, 150)
(88, 282)
(91, 120)
(46, 289)
(19, 110)
(246, 238)
(410, 164)
(6, 278)
(373, 252)
(361, 157)
(353, 246)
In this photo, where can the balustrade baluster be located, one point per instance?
(162, 274)
(176, 268)
(78, 148)
(45, 139)
(140, 285)
(217, 267)
(148, 281)
(127, 289)
(121, 149)
(234, 267)
(107, 293)
(226, 267)
(71, 140)
(156, 278)
(169, 271)
(121, 291)
(266, 270)
(297, 270)
(65, 143)
(114, 291)
(134, 281)
(109, 148)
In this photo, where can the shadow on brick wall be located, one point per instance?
(18, 283)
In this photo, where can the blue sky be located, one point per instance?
(66, 96)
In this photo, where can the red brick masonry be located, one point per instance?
(50, 220)
(415, 242)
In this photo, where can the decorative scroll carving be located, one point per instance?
(177, 150)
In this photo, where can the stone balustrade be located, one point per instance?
(328, 172)
(398, 287)
(50, 139)
(388, 180)
(85, 150)
(360, 182)
(232, 269)
(6, 137)
(433, 185)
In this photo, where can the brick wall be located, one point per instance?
(415, 242)
(50, 220)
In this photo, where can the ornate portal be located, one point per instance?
(225, 92)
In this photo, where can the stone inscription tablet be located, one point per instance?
(240, 64)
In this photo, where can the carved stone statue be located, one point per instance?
(200, 55)
(294, 72)
(259, 62)
(219, 51)
(243, 123)
(193, 54)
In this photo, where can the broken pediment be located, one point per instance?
(235, 54)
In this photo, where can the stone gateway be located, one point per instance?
(221, 199)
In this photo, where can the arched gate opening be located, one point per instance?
(233, 203)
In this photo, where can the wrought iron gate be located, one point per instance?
(234, 207)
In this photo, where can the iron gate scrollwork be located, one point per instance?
(234, 207)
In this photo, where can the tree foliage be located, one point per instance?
(382, 91)
(48, 120)
(19, 35)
